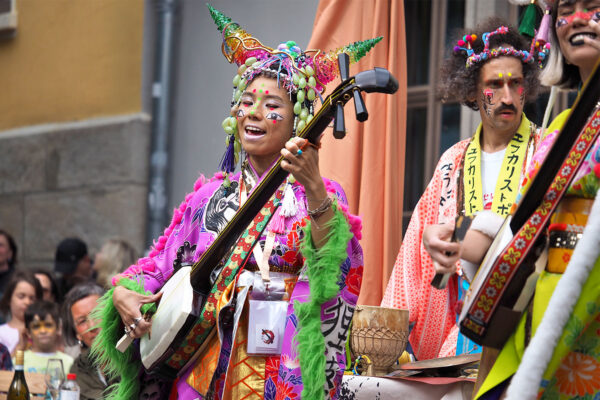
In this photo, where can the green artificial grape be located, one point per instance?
(304, 114)
(300, 126)
(302, 83)
(300, 95)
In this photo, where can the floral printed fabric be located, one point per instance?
(433, 312)
(198, 220)
(574, 370)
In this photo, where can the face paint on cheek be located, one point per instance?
(487, 97)
(521, 91)
(240, 113)
(273, 116)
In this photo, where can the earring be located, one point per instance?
(80, 343)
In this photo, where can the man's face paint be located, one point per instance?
(564, 20)
(488, 97)
(521, 91)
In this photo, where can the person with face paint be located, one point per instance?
(43, 327)
(554, 352)
(273, 99)
(493, 70)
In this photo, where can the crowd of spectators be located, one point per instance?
(46, 311)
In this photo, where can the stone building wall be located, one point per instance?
(86, 179)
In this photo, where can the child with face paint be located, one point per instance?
(43, 326)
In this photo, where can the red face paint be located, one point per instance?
(586, 16)
(521, 90)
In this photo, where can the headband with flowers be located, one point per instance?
(304, 73)
(538, 51)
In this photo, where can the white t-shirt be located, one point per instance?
(37, 362)
(9, 337)
(490, 170)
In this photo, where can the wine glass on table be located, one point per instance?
(55, 376)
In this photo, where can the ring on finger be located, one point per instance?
(299, 152)
(132, 327)
(137, 320)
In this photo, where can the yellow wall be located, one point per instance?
(71, 60)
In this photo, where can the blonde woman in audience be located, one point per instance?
(114, 257)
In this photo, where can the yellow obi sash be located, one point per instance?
(566, 227)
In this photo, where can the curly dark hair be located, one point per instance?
(460, 83)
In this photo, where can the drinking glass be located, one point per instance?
(55, 376)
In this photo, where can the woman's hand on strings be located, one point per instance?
(302, 160)
(128, 304)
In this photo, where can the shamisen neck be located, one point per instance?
(492, 140)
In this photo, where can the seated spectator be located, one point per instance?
(49, 286)
(42, 323)
(8, 258)
(72, 264)
(79, 328)
(5, 359)
(114, 257)
(22, 290)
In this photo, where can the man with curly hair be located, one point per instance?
(491, 70)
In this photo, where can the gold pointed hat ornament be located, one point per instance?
(303, 73)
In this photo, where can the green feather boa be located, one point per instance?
(114, 363)
(323, 271)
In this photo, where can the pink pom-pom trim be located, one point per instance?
(354, 220)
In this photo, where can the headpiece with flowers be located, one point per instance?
(304, 73)
(538, 51)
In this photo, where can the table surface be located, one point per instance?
(380, 388)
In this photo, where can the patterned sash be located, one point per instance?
(206, 322)
(490, 292)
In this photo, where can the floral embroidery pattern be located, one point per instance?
(579, 374)
(519, 245)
